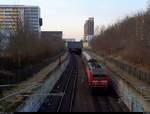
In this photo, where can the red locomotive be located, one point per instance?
(97, 73)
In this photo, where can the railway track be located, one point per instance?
(61, 98)
(108, 103)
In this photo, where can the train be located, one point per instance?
(97, 74)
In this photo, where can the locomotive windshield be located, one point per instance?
(100, 74)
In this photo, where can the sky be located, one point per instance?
(69, 15)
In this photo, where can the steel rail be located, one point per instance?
(61, 101)
(74, 89)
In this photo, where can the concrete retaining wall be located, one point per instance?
(33, 103)
(133, 99)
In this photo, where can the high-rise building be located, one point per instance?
(11, 15)
(89, 29)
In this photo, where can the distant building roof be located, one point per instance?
(52, 31)
(52, 34)
(17, 6)
(70, 39)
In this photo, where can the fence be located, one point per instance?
(138, 73)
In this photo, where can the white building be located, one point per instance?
(27, 15)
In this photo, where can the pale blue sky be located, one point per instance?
(70, 15)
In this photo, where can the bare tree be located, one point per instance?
(99, 30)
(25, 46)
(128, 38)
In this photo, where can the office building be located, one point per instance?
(89, 29)
(12, 16)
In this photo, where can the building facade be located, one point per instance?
(12, 16)
(70, 39)
(89, 29)
(52, 34)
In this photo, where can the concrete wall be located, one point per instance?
(33, 103)
(133, 99)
